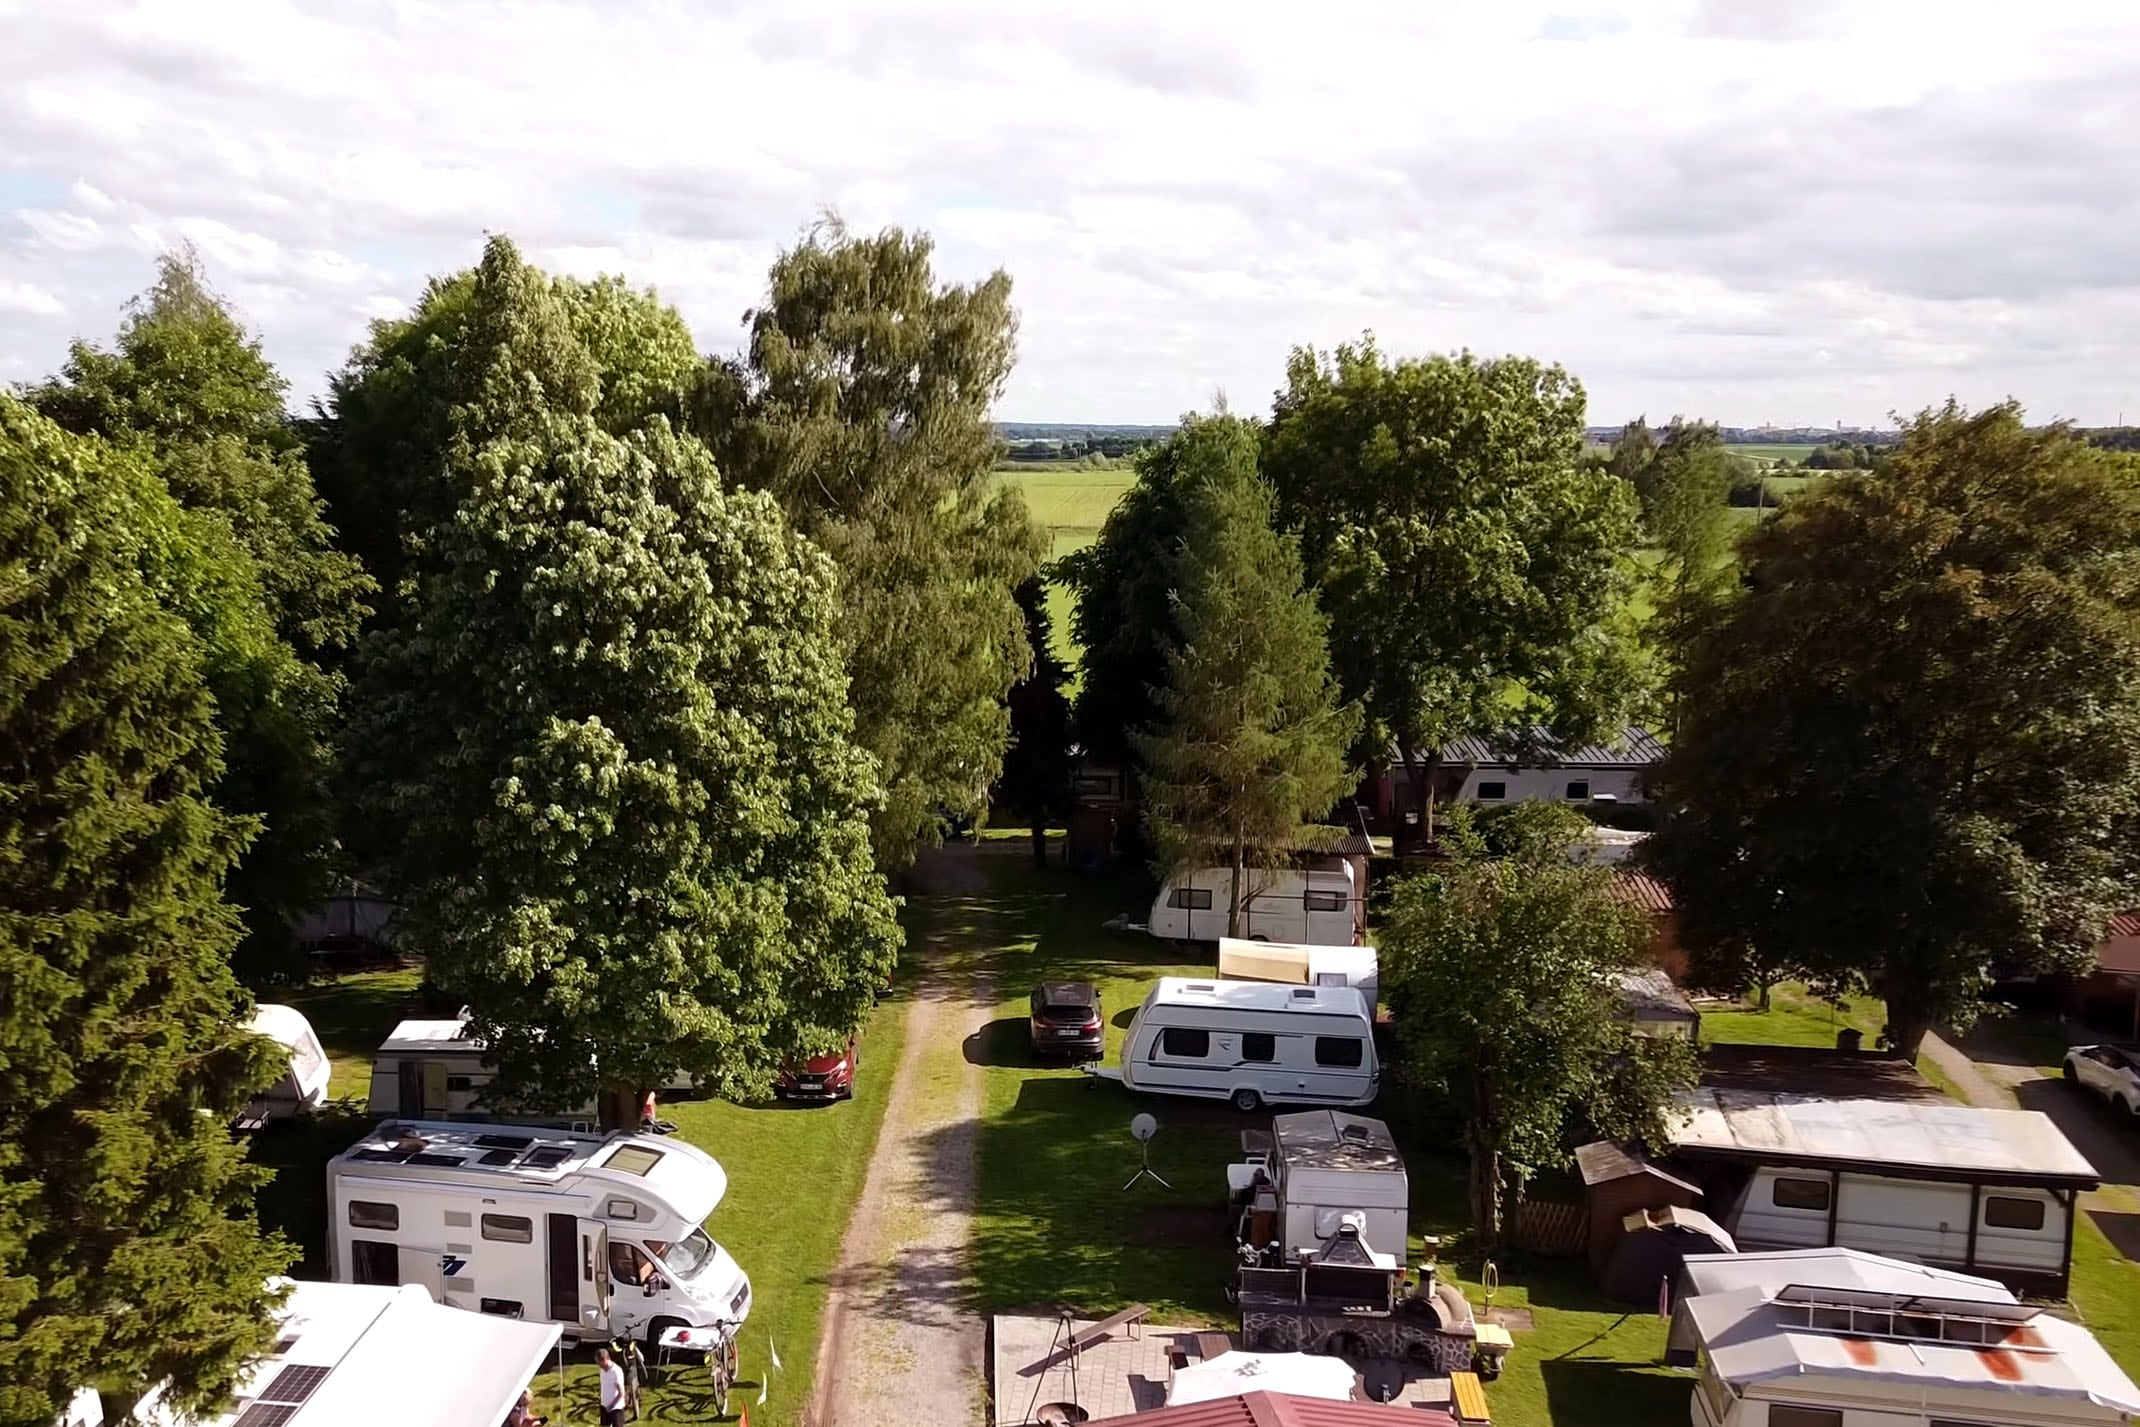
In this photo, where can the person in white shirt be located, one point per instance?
(612, 1390)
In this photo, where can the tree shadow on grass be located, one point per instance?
(1588, 1392)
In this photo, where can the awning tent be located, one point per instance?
(1230, 1374)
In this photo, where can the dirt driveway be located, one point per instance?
(900, 1343)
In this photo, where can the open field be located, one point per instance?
(1072, 503)
(1788, 454)
(793, 1174)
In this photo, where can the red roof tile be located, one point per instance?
(1643, 890)
(1278, 1409)
(2125, 924)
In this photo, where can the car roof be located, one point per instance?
(1069, 993)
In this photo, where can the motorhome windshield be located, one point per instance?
(686, 1256)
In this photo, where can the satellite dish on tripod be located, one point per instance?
(1141, 1129)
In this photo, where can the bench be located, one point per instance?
(1135, 1313)
(1469, 1398)
(1210, 1345)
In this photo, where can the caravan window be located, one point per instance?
(1783, 1414)
(2001, 1212)
(1326, 901)
(1259, 1045)
(1343, 1051)
(1194, 899)
(1800, 1194)
(509, 1228)
(1188, 1042)
(364, 1214)
(1492, 792)
(1579, 791)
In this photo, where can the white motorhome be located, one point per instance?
(302, 1086)
(1320, 905)
(1251, 1043)
(605, 1235)
(1984, 1191)
(1294, 963)
(434, 1070)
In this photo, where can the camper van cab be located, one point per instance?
(1319, 905)
(604, 1235)
(1251, 1043)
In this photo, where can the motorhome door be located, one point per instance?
(424, 1266)
(579, 1274)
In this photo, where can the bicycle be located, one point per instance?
(723, 1361)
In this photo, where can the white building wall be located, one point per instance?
(1622, 784)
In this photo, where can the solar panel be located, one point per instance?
(498, 1156)
(265, 1414)
(395, 1156)
(294, 1383)
(548, 1157)
(503, 1142)
(438, 1161)
(283, 1346)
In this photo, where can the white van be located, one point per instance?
(1251, 1043)
(302, 1087)
(1319, 905)
(602, 1234)
(1294, 963)
(2019, 1231)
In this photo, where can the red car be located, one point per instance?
(823, 1078)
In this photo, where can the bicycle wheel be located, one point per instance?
(731, 1355)
(721, 1378)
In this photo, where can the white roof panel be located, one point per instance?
(1834, 1268)
(1259, 996)
(1805, 1129)
(431, 1035)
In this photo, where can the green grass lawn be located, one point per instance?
(1788, 454)
(1797, 1017)
(793, 1176)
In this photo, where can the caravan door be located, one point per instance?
(426, 1267)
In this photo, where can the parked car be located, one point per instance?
(825, 1078)
(1066, 1019)
(2111, 1071)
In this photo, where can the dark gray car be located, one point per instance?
(1066, 1019)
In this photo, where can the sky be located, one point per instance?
(1756, 211)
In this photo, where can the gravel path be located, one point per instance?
(900, 1343)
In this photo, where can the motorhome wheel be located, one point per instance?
(1247, 1101)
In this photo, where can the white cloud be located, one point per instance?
(1786, 210)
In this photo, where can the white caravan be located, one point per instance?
(303, 1084)
(604, 1235)
(434, 1070)
(1319, 905)
(1294, 963)
(1251, 1043)
(2020, 1230)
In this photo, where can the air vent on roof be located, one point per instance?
(499, 1156)
(1203, 987)
(547, 1157)
(1304, 993)
(503, 1142)
(438, 1161)
(294, 1383)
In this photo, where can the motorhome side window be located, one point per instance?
(1339, 1050)
(509, 1228)
(1194, 899)
(364, 1214)
(1781, 1414)
(1326, 901)
(1259, 1045)
(2002, 1212)
(1799, 1194)
(1579, 791)
(1189, 1042)
(1492, 792)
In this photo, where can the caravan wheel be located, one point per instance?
(1247, 1101)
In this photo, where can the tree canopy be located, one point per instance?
(862, 405)
(1252, 738)
(129, 1254)
(1910, 749)
(1477, 573)
(601, 742)
(186, 387)
(1499, 972)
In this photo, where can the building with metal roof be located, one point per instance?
(1896, 1138)
(1280, 1409)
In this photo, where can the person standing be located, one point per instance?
(612, 1389)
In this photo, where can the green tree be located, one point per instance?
(1685, 492)
(1500, 975)
(1632, 451)
(1477, 576)
(187, 387)
(1253, 738)
(1123, 618)
(1036, 770)
(129, 1255)
(1911, 747)
(601, 743)
(863, 406)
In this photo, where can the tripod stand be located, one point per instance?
(1064, 1341)
(1145, 1170)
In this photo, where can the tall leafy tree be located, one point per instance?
(1253, 738)
(1500, 976)
(187, 387)
(601, 741)
(1123, 618)
(1685, 493)
(862, 405)
(1476, 573)
(1911, 747)
(129, 1255)
(1036, 770)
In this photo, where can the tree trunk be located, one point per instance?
(1909, 1019)
(1422, 798)
(1233, 898)
(1040, 843)
(619, 1107)
(1486, 1170)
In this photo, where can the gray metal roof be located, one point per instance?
(1961, 1142)
(1332, 1139)
(1634, 748)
